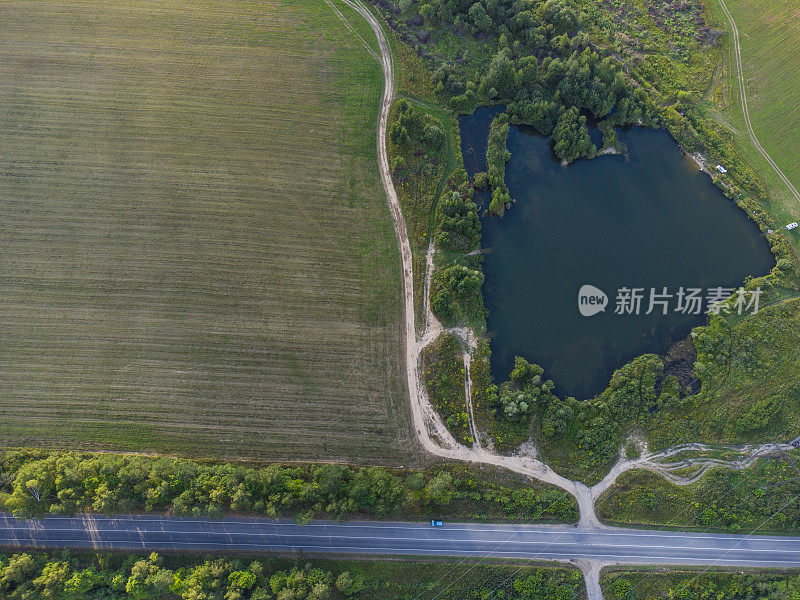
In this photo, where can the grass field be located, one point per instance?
(757, 363)
(770, 43)
(759, 499)
(195, 253)
(652, 583)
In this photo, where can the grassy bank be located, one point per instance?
(762, 498)
(419, 163)
(654, 583)
(750, 390)
(425, 164)
(443, 370)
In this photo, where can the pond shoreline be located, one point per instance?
(755, 239)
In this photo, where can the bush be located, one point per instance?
(458, 223)
(571, 137)
(452, 288)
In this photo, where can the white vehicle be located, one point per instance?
(791, 226)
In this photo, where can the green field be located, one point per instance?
(648, 583)
(195, 252)
(770, 43)
(761, 498)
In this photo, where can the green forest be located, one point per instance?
(536, 58)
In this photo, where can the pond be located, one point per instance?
(648, 220)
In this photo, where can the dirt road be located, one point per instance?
(425, 418)
(431, 431)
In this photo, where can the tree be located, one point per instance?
(432, 136)
(500, 200)
(320, 591)
(148, 579)
(50, 584)
(439, 490)
(497, 153)
(452, 286)
(301, 583)
(481, 22)
(18, 569)
(34, 488)
(516, 404)
(78, 586)
(632, 390)
(557, 417)
(524, 373)
(348, 585)
(238, 583)
(376, 491)
(501, 74)
(560, 15)
(399, 135)
(571, 137)
(458, 223)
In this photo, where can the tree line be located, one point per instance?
(497, 155)
(456, 286)
(458, 225)
(40, 483)
(83, 576)
(68, 576)
(412, 127)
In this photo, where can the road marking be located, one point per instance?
(429, 552)
(230, 534)
(499, 528)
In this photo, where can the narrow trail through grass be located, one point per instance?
(744, 103)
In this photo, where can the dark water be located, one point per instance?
(474, 131)
(652, 221)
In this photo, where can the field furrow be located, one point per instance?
(195, 252)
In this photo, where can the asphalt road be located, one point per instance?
(416, 539)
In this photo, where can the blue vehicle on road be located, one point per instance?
(437, 523)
